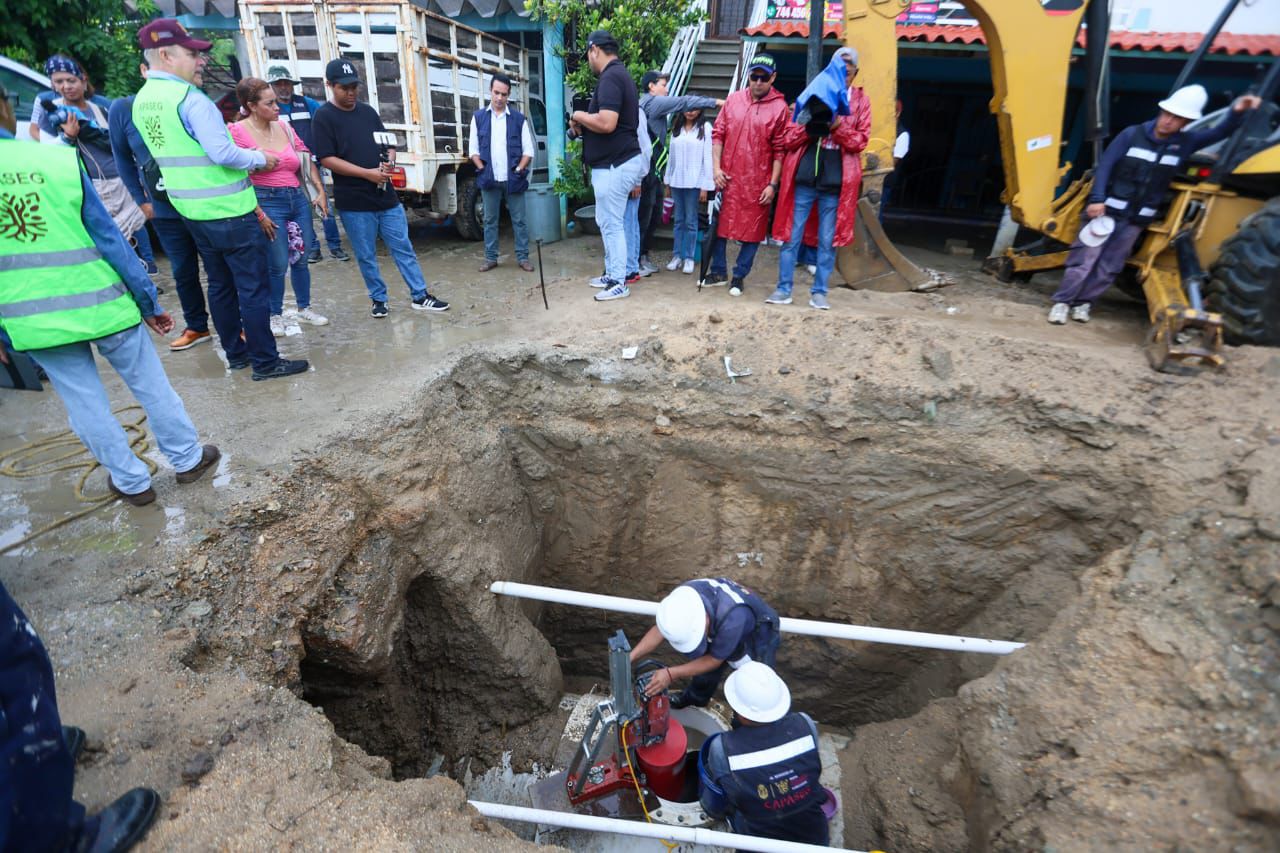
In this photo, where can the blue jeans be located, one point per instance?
(331, 236)
(364, 227)
(741, 268)
(74, 374)
(493, 197)
(828, 205)
(617, 214)
(184, 259)
(234, 252)
(36, 808)
(283, 205)
(686, 221)
(144, 248)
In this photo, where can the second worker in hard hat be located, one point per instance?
(765, 774)
(715, 623)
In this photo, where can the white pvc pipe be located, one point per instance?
(833, 630)
(683, 834)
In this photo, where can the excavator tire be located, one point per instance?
(1244, 283)
(469, 220)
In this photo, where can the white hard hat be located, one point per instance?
(757, 693)
(1097, 231)
(1188, 102)
(281, 70)
(682, 619)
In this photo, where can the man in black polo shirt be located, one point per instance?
(609, 128)
(348, 142)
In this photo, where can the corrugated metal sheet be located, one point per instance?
(1227, 43)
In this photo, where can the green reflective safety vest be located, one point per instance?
(197, 187)
(55, 286)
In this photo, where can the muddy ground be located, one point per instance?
(286, 649)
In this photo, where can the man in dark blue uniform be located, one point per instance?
(767, 769)
(36, 765)
(716, 624)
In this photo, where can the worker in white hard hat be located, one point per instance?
(717, 624)
(764, 774)
(1130, 183)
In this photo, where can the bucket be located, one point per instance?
(712, 796)
(663, 763)
(542, 213)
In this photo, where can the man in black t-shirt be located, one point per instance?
(609, 128)
(349, 141)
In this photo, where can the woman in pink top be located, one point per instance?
(281, 199)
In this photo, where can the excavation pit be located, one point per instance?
(866, 504)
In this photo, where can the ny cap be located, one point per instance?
(341, 71)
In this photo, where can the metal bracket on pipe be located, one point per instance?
(832, 630)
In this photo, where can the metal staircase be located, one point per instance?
(713, 68)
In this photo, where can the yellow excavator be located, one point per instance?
(1222, 216)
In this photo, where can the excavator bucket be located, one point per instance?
(872, 262)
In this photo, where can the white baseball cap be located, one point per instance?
(757, 693)
(1097, 231)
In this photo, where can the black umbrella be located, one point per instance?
(709, 242)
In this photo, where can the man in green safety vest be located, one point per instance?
(69, 279)
(206, 179)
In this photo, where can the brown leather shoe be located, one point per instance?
(488, 265)
(137, 499)
(526, 266)
(208, 457)
(188, 339)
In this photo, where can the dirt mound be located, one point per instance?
(1147, 716)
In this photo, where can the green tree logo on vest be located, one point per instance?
(155, 133)
(20, 218)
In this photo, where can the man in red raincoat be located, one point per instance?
(746, 162)
(822, 168)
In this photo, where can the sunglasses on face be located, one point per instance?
(759, 78)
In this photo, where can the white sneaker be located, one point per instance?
(310, 317)
(602, 281)
(618, 291)
(1058, 313)
(1080, 313)
(646, 269)
(688, 266)
(812, 268)
(277, 325)
(674, 263)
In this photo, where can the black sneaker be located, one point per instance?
(313, 257)
(682, 700)
(237, 363)
(339, 254)
(283, 367)
(736, 287)
(379, 310)
(430, 303)
(713, 279)
(120, 825)
(632, 278)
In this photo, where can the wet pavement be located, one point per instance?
(357, 364)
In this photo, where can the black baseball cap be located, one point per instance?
(601, 38)
(651, 77)
(341, 71)
(764, 62)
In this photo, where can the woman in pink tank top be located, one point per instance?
(282, 202)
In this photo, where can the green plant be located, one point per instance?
(572, 182)
(100, 33)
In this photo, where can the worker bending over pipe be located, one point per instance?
(715, 623)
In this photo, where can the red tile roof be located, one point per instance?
(1228, 43)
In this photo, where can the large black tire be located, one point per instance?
(469, 220)
(1244, 283)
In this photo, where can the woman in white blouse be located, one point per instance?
(689, 177)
